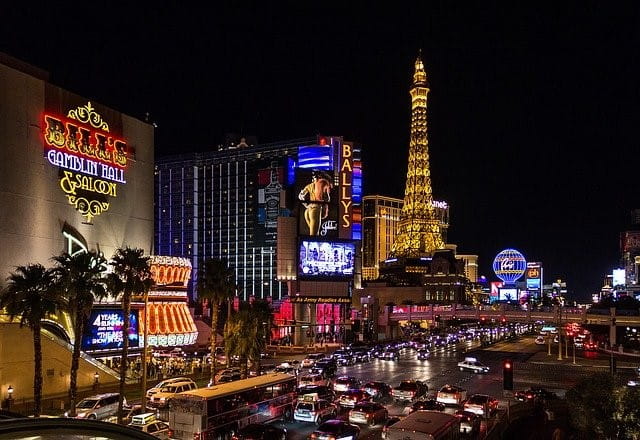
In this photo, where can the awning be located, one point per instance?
(170, 324)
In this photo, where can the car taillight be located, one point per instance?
(170, 432)
(313, 436)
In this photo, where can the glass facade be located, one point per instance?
(223, 204)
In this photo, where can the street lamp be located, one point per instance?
(96, 380)
(9, 397)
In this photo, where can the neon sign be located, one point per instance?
(346, 190)
(91, 160)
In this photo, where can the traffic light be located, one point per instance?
(507, 375)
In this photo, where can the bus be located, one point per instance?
(216, 412)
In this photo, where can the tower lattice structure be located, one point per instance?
(418, 230)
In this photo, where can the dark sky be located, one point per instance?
(533, 111)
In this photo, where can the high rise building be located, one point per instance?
(380, 220)
(226, 204)
(630, 250)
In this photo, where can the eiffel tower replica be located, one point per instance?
(419, 234)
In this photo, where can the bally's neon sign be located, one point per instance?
(91, 160)
(346, 190)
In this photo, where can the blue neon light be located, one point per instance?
(317, 157)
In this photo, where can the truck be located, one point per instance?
(425, 425)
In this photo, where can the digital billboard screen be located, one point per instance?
(326, 260)
(104, 330)
(508, 294)
(317, 203)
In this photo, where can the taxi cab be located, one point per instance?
(312, 409)
(472, 364)
(148, 423)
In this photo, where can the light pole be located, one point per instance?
(549, 344)
(574, 351)
(96, 381)
(559, 345)
(9, 397)
(144, 351)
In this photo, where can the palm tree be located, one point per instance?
(131, 276)
(217, 284)
(80, 279)
(242, 336)
(31, 294)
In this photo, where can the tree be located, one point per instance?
(80, 279)
(131, 276)
(31, 294)
(592, 406)
(242, 337)
(216, 284)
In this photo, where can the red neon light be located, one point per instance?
(78, 138)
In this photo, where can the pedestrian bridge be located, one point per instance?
(511, 313)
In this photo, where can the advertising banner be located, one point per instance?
(346, 190)
(270, 186)
(326, 260)
(317, 203)
(104, 330)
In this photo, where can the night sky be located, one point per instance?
(533, 112)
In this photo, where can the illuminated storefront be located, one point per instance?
(170, 323)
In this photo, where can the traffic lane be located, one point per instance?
(302, 430)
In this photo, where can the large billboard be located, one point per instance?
(104, 330)
(326, 260)
(345, 174)
(317, 203)
(270, 187)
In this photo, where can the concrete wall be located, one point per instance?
(17, 366)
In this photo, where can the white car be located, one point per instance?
(312, 379)
(148, 423)
(540, 340)
(161, 398)
(311, 359)
(451, 395)
(472, 364)
(156, 389)
(312, 409)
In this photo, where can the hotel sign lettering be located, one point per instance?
(346, 189)
(91, 160)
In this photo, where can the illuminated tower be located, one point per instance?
(418, 230)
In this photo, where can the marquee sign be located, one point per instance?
(91, 160)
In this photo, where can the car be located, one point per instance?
(311, 409)
(472, 364)
(423, 354)
(409, 390)
(127, 415)
(341, 352)
(290, 363)
(311, 359)
(98, 407)
(469, 422)
(346, 360)
(390, 355)
(451, 395)
(326, 367)
(344, 383)
(534, 394)
(377, 390)
(148, 423)
(481, 404)
(385, 428)
(323, 391)
(260, 431)
(151, 391)
(350, 398)
(427, 405)
(369, 413)
(286, 369)
(579, 343)
(161, 399)
(590, 346)
(361, 354)
(311, 379)
(336, 429)
(540, 340)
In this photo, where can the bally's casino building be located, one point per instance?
(78, 175)
(253, 205)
